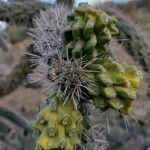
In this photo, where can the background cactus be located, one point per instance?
(136, 44)
(76, 68)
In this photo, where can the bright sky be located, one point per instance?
(89, 1)
(120, 1)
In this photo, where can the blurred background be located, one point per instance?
(19, 97)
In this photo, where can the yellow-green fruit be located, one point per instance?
(116, 84)
(88, 31)
(57, 126)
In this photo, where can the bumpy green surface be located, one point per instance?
(88, 32)
(57, 126)
(115, 84)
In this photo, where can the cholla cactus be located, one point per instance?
(72, 68)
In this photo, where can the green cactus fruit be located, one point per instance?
(116, 84)
(88, 30)
(57, 126)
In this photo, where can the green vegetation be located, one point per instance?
(20, 13)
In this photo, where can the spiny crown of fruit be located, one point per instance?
(115, 84)
(89, 30)
(57, 126)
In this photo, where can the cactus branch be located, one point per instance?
(15, 118)
(18, 75)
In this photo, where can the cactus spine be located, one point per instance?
(78, 71)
